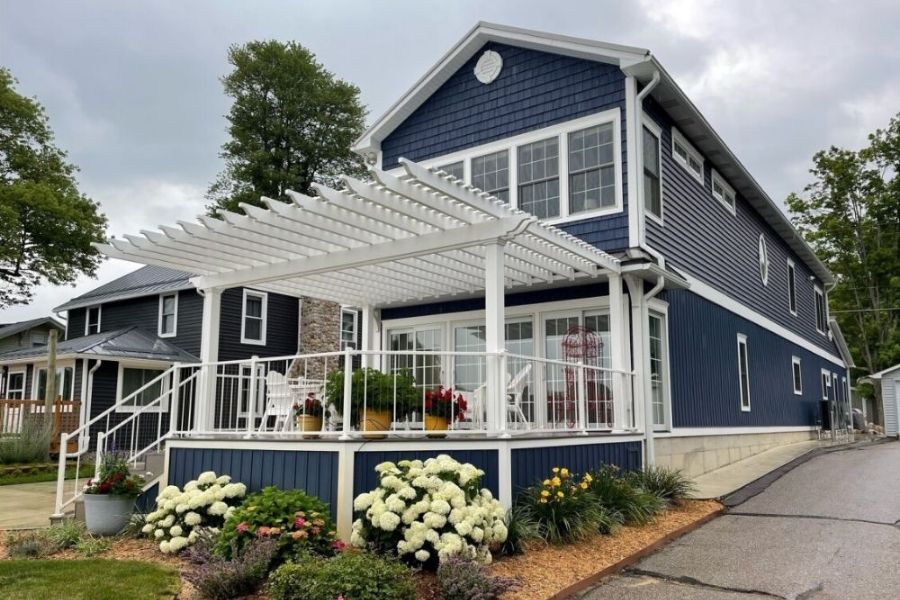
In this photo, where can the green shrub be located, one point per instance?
(31, 445)
(374, 390)
(296, 521)
(623, 502)
(521, 528)
(29, 544)
(353, 575)
(66, 533)
(669, 484)
(92, 546)
(563, 508)
(461, 579)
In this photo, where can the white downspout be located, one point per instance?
(638, 159)
(86, 403)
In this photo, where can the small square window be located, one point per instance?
(723, 192)
(687, 156)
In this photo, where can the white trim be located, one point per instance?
(764, 263)
(60, 365)
(719, 431)
(792, 283)
(716, 297)
(146, 366)
(795, 360)
(159, 322)
(825, 383)
(679, 139)
(87, 318)
(743, 366)
(560, 131)
(24, 372)
(817, 291)
(656, 130)
(730, 205)
(264, 314)
(355, 313)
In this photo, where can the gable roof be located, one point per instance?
(145, 281)
(637, 62)
(10, 329)
(881, 374)
(131, 342)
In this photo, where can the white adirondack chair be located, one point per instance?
(515, 391)
(279, 403)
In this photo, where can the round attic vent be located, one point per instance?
(488, 67)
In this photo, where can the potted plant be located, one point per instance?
(442, 407)
(376, 398)
(109, 497)
(308, 414)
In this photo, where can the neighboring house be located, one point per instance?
(635, 298)
(889, 380)
(22, 336)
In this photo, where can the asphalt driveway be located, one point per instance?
(828, 529)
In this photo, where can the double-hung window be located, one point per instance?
(743, 372)
(457, 169)
(538, 173)
(168, 315)
(490, 173)
(349, 319)
(659, 376)
(592, 172)
(797, 375)
(687, 156)
(92, 320)
(253, 318)
(723, 192)
(15, 385)
(64, 380)
(821, 314)
(140, 387)
(652, 173)
(792, 286)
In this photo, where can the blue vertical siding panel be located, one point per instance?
(704, 369)
(534, 90)
(533, 464)
(311, 471)
(365, 478)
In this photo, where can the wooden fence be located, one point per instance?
(15, 414)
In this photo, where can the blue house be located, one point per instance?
(552, 230)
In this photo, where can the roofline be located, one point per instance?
(84, 356)
(881, 374)
(81, 302)
(841, 342)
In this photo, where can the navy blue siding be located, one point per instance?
(312, 471)
(704, 370)
(282, 327)
(534, 464)
(702, 238)
(75, 323)
(534, 90)
(520, 299)
(365, 478)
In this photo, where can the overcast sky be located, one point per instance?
(132, 88)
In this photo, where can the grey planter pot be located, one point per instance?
(105, 514)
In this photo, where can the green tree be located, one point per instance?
(291, 125)
(850, 215)
(46, 225)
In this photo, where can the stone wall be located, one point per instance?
(320, 322)
(696, 455)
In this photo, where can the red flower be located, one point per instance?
(299, 522)
(338, 545)
(242, 528)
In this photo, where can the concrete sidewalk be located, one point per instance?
(27, 505)
(722, 482)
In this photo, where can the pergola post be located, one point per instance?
(370, 338)
(495, 336)
(619, 349)
(204, 404)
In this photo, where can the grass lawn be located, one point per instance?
(43, 473)
(94, 579)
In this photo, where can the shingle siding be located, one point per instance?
(702, 238)
(534, 90)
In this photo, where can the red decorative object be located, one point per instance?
(584, 346)
(440, 402)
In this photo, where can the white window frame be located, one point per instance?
(355, 312)
(264, 296)
(679, 139)
(35, 378)
(147, 366)
(826, 383)
(21, 390)
(717, 179)
(660, 310)
(796, 362)
(792, 286)
(560, 131)
(159, 323)
(745, 367)
(87, 319)
(657, 131)
(817, 292)
(764, 260)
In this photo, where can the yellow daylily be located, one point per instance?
(584, 485)
(545, 493)
(561, 494)
(588, 477)
(556, 482)
(564, 472)
(556, 469)
(547, 482)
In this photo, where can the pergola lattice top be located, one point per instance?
(392, 240)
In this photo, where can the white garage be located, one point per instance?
(889, 380)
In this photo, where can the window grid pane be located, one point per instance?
(538, 172)
(455, 169)
(491, 174)
(591, 171)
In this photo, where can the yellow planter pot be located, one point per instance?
(375, 420)
(309, 423)
(433, 423)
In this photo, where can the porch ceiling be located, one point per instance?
(387, 241)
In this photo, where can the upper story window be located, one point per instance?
(39, 338)
(687, 156)
(763, 260)
(743, 371)
(348, 328)
(92, 320)
(826, 385)
(457, 169)
(592, 176)
(652, 172)
(821, 312)
(168, 315)
(253, 318)
(490, 173)
(792, 286)
(723, 192)
(539, 178)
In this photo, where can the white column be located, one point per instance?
(495, 336)
(619, 348)
(209, 353)
(644, 412)
(370, 337)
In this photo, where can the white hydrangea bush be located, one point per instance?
(182, 515)
(427, 511)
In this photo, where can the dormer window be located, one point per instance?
(92, 320)
(723, 192)
(687, 156)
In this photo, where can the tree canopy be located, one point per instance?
(850, 215)
(46, 225)
(291, 124)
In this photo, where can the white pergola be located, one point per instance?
(423, 235)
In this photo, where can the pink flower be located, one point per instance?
(338, 545)
(242, 528)
(299, 522)
(340, 597)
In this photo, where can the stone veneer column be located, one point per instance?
(320, 322)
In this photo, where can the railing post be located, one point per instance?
(61, 475)
(174, 398)
(98, 454)
(251, 396)
(348, 392)
(581, 398)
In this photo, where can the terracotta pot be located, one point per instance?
(309, 423)
(106, 514)
(433, 423)
(375, 420)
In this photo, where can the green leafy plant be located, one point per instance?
(563, 508)
(351, 575)
(115, 479)
(461, 579)
(92, 546)
(623, 502)
(30, 445)
(521, 528)
(669, 484)
(375, 391)
(220, 578)
(66, 533)
(296, 521)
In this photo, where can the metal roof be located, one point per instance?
(14, 328)
(146, 281)
(131, 342)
